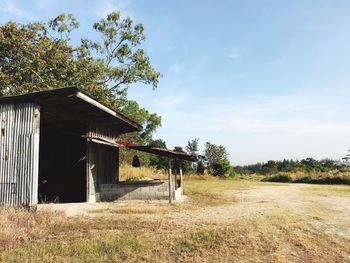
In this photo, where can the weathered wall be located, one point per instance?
(137, 190)
(102, 168)
(19, 154)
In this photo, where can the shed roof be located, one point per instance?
(158, 151)
(70, 105)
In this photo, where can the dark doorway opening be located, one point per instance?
(62, 167)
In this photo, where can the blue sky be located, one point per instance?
(267, 79)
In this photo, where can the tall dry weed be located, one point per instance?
(20, 226)
(128, 173)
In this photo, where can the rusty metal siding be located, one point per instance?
(19, 154)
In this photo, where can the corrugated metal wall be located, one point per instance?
(19, 154)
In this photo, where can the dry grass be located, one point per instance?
(148, 234)
(21, 226)
(342, 190)
(333, 177)
(275, 238)
(210, 191)
(129, 173)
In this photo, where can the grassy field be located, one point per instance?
(221, 221)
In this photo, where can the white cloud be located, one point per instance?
(234, 53)
(104, 7)
(175, 68)
(11, 8)
(306, 123)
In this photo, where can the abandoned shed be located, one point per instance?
(61, 146)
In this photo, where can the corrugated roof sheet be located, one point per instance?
(71, 105)
(159, 151)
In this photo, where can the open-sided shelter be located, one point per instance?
(63, 146)
(57, 144)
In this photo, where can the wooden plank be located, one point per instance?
(170, 183)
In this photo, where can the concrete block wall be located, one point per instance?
(137, 190)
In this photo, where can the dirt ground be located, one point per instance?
(326, 211)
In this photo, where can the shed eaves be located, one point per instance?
(70, 104)
(159, 151)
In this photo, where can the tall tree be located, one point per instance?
(192, 146)
(215, 153)
(270, 167)
(40, 56)
(216, 156)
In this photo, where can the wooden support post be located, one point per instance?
(170, 183)
(175, 180)
(181, 179)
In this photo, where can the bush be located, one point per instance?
(310, 178)
(200, 168)
(231, 172)
(221, 168)
(281, 178)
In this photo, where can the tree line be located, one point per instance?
(306, 165)
(213, 160)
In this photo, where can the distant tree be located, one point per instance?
(251, 169)
(327, 165)
(305, 165)
(284, 166)
(216, 156)
(240, 170)
(192, 146)
(309, 164)
(200, 169)
(270, 167)
(221, 168)
(215, 153)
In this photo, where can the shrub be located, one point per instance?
(221, 168)
(200, 168)
(281, 178)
